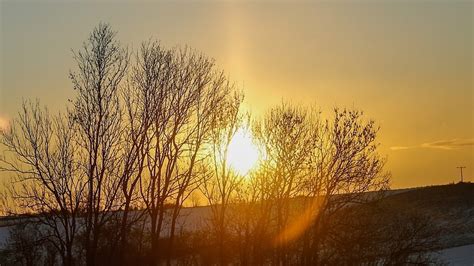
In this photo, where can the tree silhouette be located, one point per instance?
(148, 132)
(49, 180)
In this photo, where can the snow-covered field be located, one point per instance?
(4, 232)
(463, 255)
(457, 210)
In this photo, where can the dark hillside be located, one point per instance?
(451, 207)
(457, 196)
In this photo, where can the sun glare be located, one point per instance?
(242, 153)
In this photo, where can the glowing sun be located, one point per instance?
(242, 154)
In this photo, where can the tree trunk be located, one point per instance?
(123, 234)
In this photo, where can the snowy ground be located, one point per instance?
(4, 232)
(463, 255)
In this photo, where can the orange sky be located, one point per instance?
(408, 65)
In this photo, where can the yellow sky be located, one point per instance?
(407, 64)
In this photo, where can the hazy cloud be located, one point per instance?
(439, 144)
(449, 144)
(397, 148)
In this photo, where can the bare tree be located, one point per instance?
(142, 99)
(212, 88)
(149, 137)
(344, 165)
(251, 219)
(48, 181)
(221, 187)
(286, 134)
(183, 91)
(320, 166)
(101, 67)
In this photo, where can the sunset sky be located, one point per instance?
(408, 65)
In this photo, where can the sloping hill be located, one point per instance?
(450, 206)
(458, 196)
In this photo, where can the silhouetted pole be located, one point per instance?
(460, 168)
